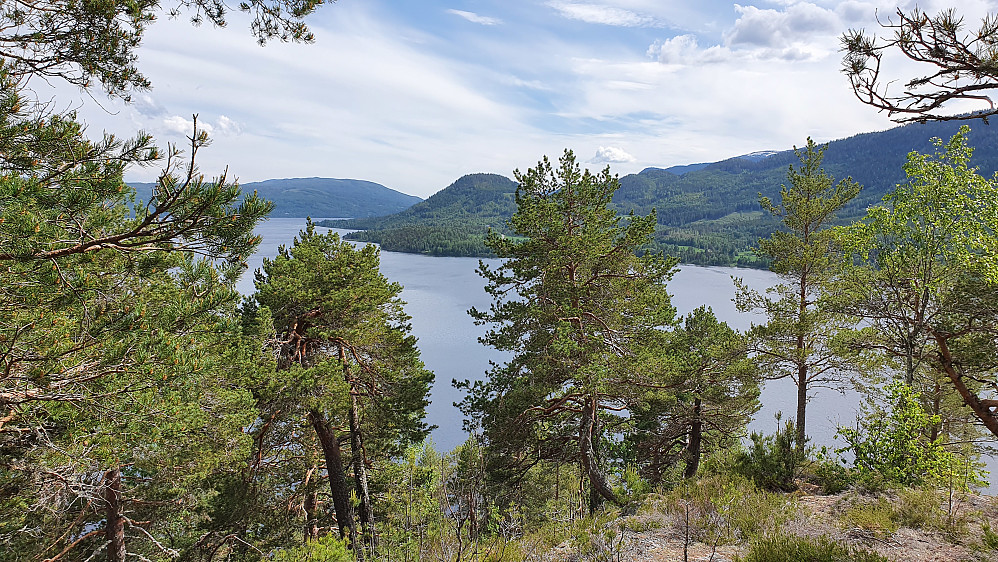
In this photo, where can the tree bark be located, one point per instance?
(799, 425)
(309, 506)
(936, 428)
(359, 460)
(360, 474)
(114, 530)
(599, 488)
(980, 409)
(337, 480)
(694, 445)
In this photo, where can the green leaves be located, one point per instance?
(889, 443)
(929, 275)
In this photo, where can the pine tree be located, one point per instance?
(708, 391)
(573, 303)
(347, 359)
(797, 339)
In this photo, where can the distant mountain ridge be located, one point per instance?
(321, 197)
(707, 213)
(451, 222)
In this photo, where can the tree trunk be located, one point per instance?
(337, 480)
(599, 489)
(799, 426)
(695, 441)
(359, 460)
(114, 530)
(309, 506)
(360, 474)
(936, 428)
(983, 411)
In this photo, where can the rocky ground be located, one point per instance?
(950, 533)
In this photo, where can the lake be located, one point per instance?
(438, 292)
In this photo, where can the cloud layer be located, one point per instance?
(413, 95)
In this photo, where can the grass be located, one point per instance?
(783, 548)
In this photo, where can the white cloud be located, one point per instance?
(475, 18)
(605, 15)
(377, 88)
(797, 32)
(685, 50)
(180, 126)
(227, 126)
(147, 106)
(782, 28)
(854, 12)
(611, 155)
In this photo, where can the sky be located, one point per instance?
(414, 95)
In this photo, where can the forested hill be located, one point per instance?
(708, 214)
(451, 222)
(711, 215)
(322, 197)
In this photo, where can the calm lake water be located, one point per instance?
(440, 290)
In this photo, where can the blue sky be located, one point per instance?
(415, 94)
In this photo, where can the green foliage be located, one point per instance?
(346, 364)
(707, 389)
(574, 305)
(989, 538)
(111, 315)
(829, 473)
(325, 549)
(598, 537)
(798, 339)
(411, 510)
(773, 462)
(452, 222)
(331, 305)
(92, 41)
(889, 444)
(927, 278)
(784, 547)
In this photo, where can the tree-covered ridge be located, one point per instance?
(452, 222)
(323, 197)
(708, 214)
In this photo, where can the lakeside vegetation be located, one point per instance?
(149, 413)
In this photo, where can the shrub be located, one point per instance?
(326, 549)
(598, 537)
(783, 548)
(889, 445)
(989, 538)
(722, 508)
(830, 474)
(772, 461)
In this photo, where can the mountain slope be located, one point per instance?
(708, 214)
(321, 197)
(327, 197)
(711, 216)
(451, 222)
